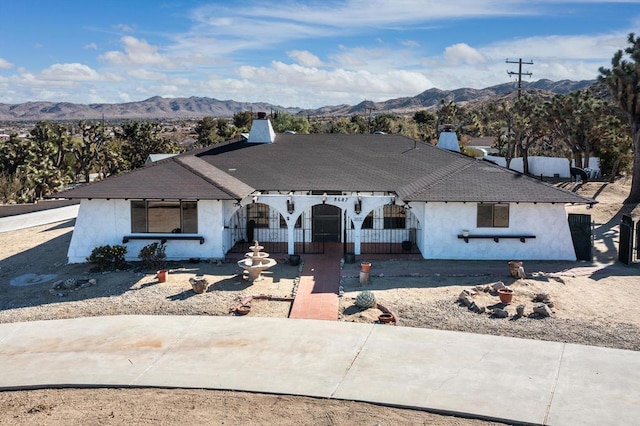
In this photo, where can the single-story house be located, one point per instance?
(296, 193)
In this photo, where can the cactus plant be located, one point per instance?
(365, 299)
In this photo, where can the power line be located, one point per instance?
(520, 62)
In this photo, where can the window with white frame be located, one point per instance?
(163, 217)
(493, 215)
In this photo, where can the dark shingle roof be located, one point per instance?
(416, 171)
(166, 179)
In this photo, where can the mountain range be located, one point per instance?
(197, 107)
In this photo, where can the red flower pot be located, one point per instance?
(506, 295)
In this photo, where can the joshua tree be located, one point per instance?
(623, 81)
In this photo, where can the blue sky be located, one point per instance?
(296, 53)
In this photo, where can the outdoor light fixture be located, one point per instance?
(255, 198)
(290, 206)
(358, 206)
(324, 198)
(393, 200)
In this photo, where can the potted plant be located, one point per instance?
(505, 294)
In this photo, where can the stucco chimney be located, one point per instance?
(448, 140)
(261, 130)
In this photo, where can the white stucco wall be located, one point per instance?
(443, 222)
(546, 166)
(103, 222)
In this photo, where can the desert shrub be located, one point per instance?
(365, 299)
(107, 257)
(153, 255)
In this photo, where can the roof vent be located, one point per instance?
(261, 130)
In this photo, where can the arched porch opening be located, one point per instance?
(387, 229)
(313, 228)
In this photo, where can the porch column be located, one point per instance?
(357, 238)
(291, 234)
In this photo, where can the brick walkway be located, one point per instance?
(317, 296)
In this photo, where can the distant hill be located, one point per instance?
(430, 99)
(152, 108)
(198, 107)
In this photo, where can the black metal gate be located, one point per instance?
(580, 227)
(393, 232)
(625, 249)
(270, 230)
(326, 223)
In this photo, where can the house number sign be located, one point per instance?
(340, 199)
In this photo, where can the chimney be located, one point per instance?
(261, 130)
(448, 140)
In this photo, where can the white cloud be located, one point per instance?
(462, 52)
(70, 72)
(326, 83)
(305, 58)
(137, 52)
(124, 28)
(91, 46)
(5, 65)
(410, 43)
(147, 75)
(577, 47)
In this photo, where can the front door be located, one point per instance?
(326, 223)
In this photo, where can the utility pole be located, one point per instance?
(519, 73)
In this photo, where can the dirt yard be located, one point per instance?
(593, 304)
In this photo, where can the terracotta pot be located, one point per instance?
(243, 310)
(365, 266)
(506, 295)
(385, 318)
(162, 275)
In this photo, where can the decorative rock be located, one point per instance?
(540, 297)
(93, 281)
(480, 309)
(69, 283)
(473, 306)
(520, 310)
(516, 270)
(542, 310)
(500, 313)
(199, 284)
(497, 286)
(465, 299)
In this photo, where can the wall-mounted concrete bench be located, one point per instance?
(163, 238)
(496, 238)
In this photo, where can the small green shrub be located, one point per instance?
(153, 255)
(107, 257)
